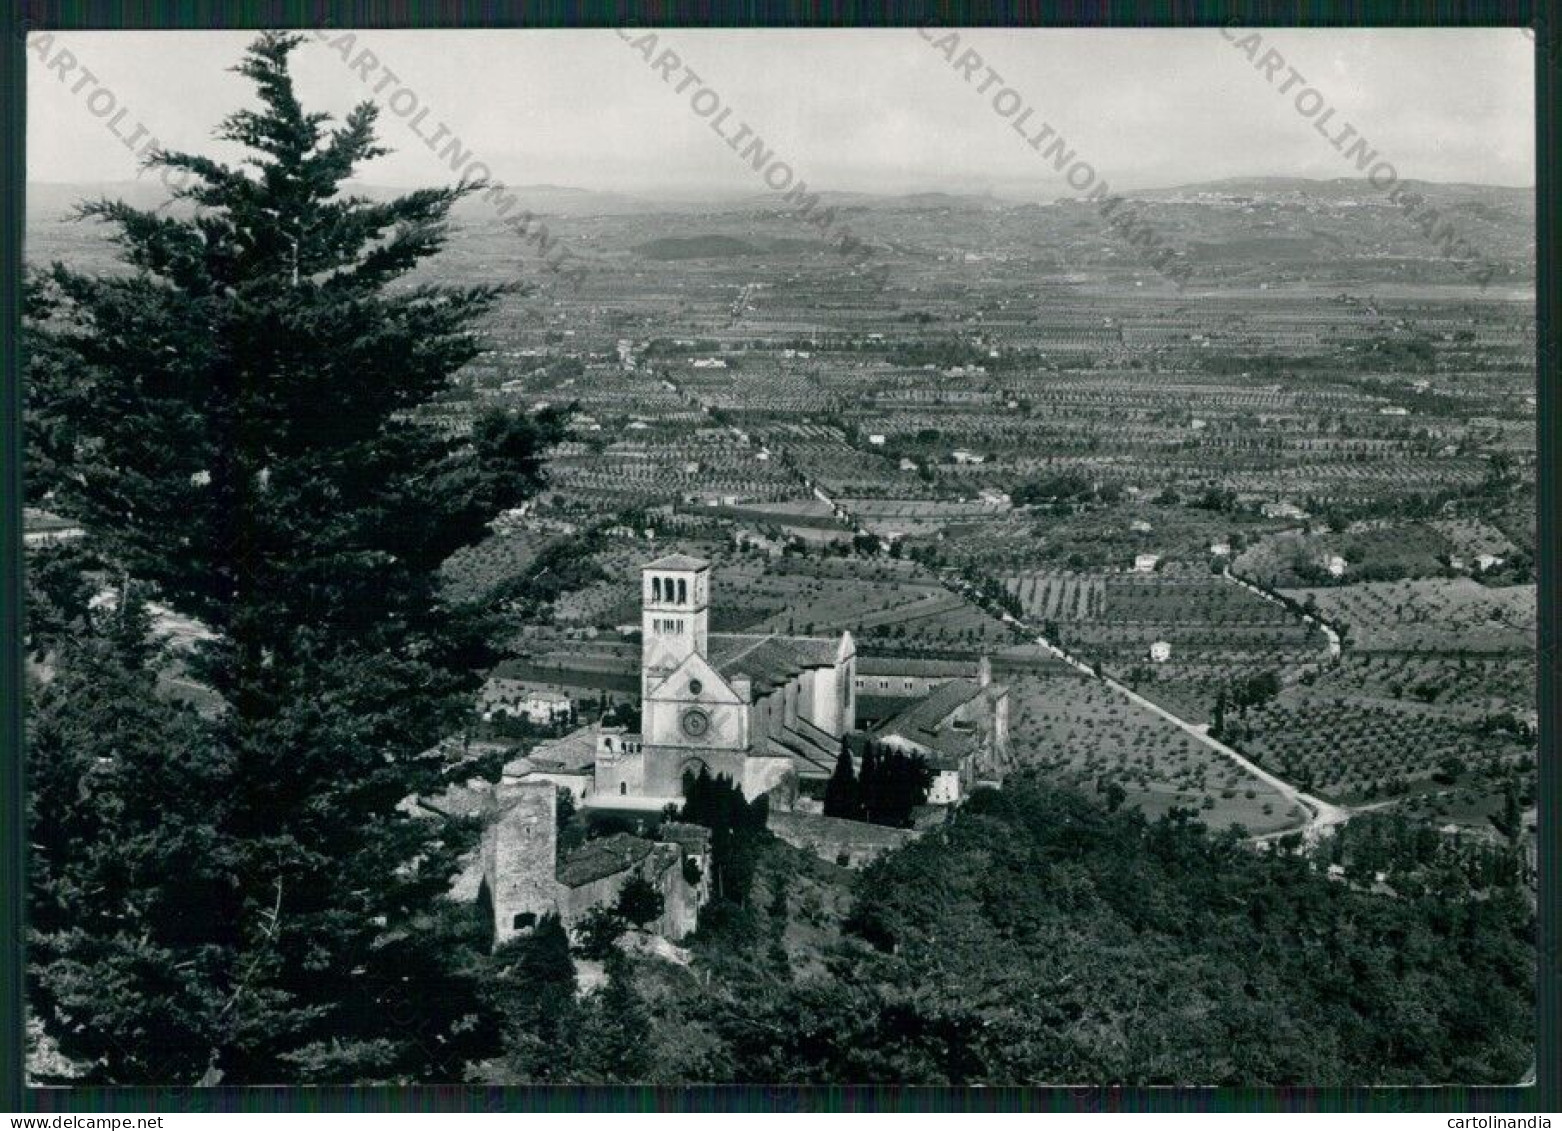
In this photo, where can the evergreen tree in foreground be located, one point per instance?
(231, 421)
(841, 798)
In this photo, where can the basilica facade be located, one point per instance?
(763, 710)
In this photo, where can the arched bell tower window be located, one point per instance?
(656, 588)
(683, 591)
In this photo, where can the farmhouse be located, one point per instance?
(40, 528)
(502, 697)
(1160, 651)
(1282, 510)
(1146, 563)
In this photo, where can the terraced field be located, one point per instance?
(1060, 597)
(1216, 631)
(1469, 685)
(472, 573)
(1431, 615)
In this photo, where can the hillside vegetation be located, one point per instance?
(1040, 938)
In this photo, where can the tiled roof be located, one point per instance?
(769, 661)
(677, 561)
(883, 707)
(576, 749)
(920, 721)
(895, 665)
(34, 519)
(598, 859)
(813, 753)
(685, 835)
(926, 713)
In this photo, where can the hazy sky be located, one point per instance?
(879, 110)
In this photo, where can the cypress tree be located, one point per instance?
(840, 792)
(133, 943)
(869, 783)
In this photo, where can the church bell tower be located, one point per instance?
(674, 622)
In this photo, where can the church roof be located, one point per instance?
(812, 751)
(920, 721)
(769, 661)
(574, 750)
(909, 666)
(677, 561)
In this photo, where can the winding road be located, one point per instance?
(1307, 618)
(1322, 816)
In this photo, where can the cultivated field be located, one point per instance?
(1454, 615)
(1090, 734)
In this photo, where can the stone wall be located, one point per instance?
(852, 844)
(520, 856)
(681, 901)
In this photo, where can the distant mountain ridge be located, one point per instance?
(1288, 227)
(45, 198)
(1338, 188)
